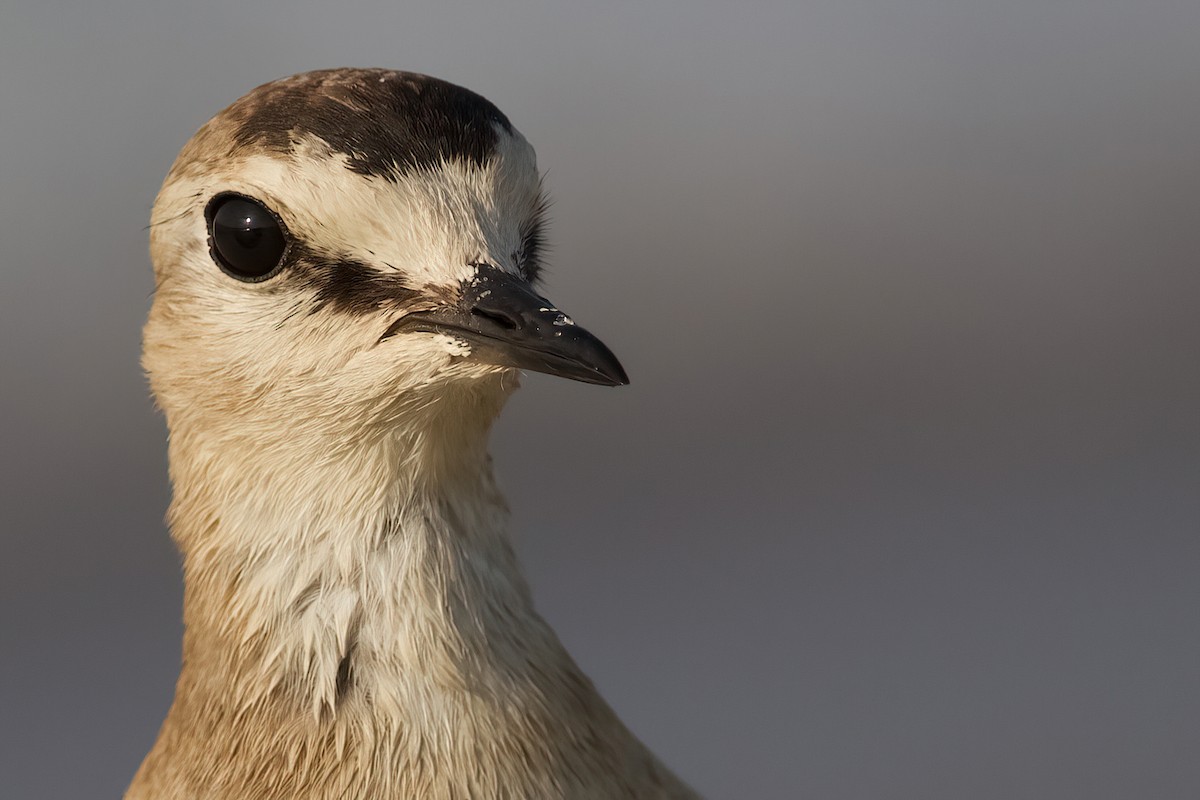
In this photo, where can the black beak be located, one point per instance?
(510, 325)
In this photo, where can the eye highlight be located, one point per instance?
(247, 240)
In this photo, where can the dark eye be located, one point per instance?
(247, 239)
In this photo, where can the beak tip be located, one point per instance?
(606, 365)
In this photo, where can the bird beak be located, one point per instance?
(510, 325)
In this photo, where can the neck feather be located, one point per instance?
(357, 625)
(309, 575)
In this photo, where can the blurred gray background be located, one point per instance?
(904, 499)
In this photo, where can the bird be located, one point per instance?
(346, 291)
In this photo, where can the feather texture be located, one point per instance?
(357, 625)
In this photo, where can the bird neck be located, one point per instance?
(363, 630)
(363, 569)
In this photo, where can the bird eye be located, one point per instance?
(246, 238)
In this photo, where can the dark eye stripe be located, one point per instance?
(347, 285)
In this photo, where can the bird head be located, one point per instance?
(342, 249)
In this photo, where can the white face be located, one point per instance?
(305, 348)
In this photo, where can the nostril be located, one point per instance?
(506, 321)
